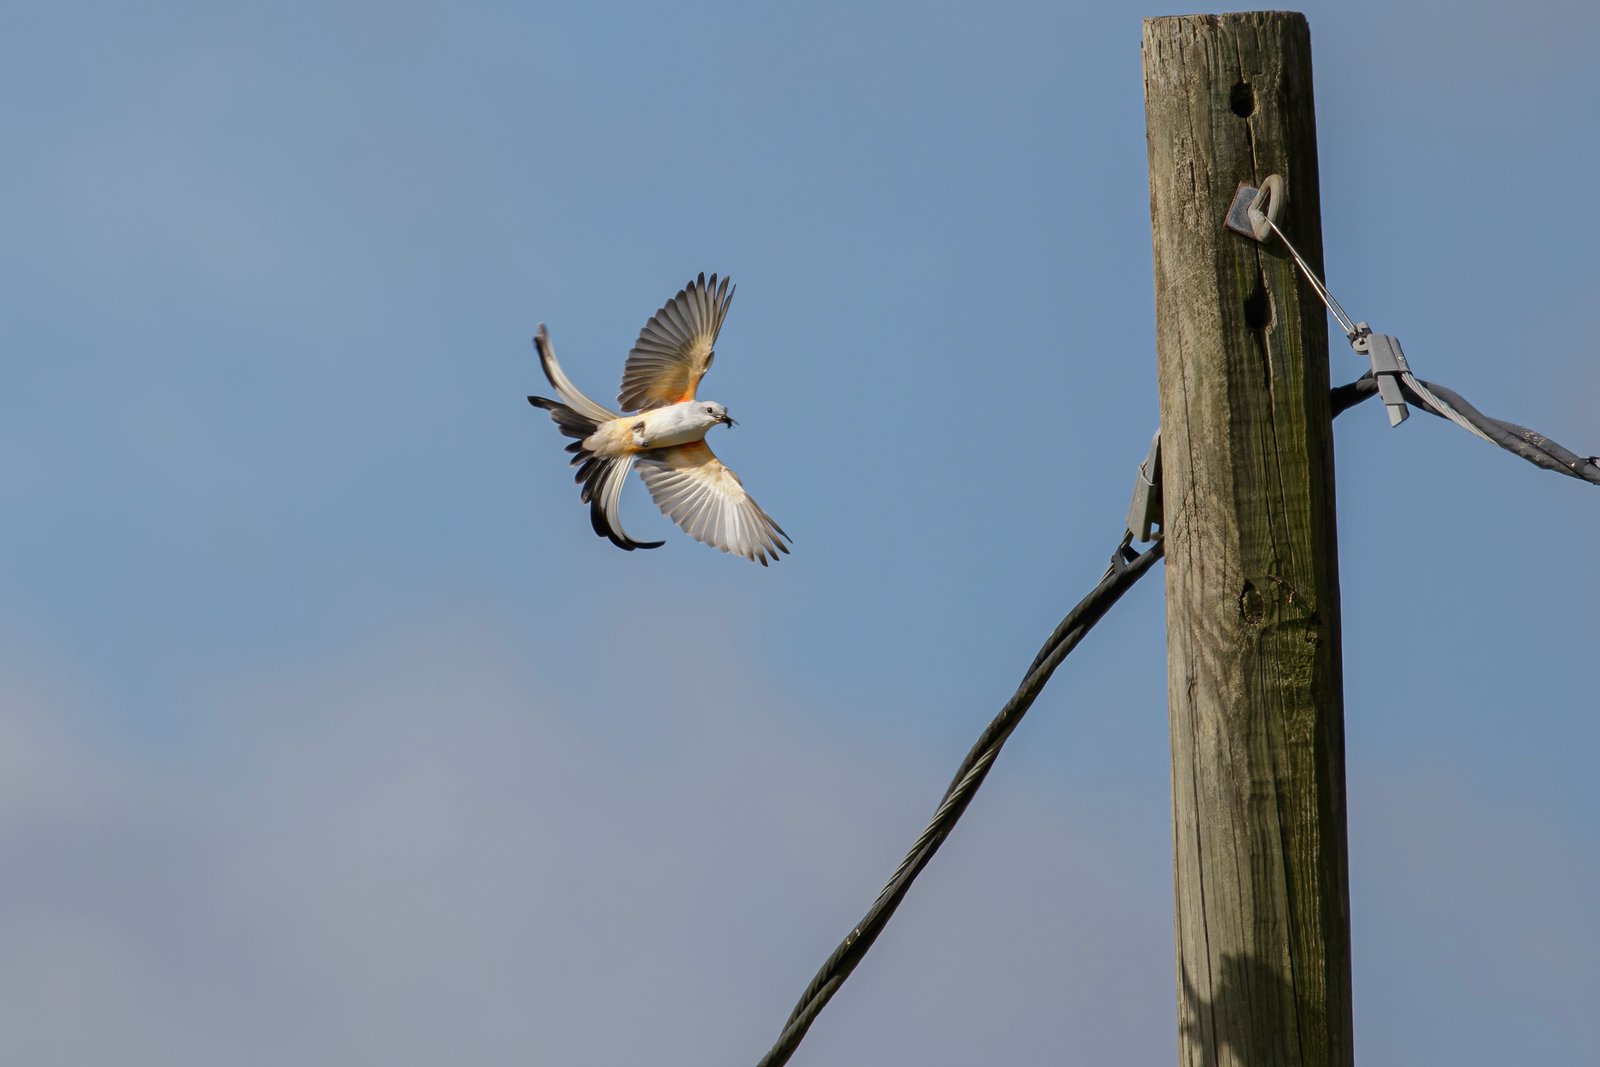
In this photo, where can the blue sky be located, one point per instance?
(330, 733)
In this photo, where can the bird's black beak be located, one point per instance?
(728, 419)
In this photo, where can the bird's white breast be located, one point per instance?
(676, 424)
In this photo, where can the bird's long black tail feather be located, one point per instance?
(600, 478)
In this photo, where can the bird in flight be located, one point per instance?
(665, 435)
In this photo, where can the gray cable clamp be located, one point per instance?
(1144, 512)
(1389, 366)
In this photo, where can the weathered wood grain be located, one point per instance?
(1254, 686)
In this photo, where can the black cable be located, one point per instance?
(1344, 397)
(1127, 567)
(1531, 445)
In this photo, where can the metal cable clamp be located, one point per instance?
(1144, 512)
(1389, 366)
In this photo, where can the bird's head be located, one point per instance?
(716, 413)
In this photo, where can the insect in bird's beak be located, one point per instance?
(728, 419)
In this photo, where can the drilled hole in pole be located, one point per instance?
(1252, 606)
(1242, 99)
(1258, 309)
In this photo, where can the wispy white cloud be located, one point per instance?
(413, 856)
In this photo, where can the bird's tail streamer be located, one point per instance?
(600, 477)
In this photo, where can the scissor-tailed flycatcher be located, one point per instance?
(665, 437)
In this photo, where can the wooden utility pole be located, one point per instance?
(1253, 671)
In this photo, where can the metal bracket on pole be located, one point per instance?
(1254, 212)
(1144, 513)
(1388, 366)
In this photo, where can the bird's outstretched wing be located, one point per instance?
(674, 349)
(692, 487)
